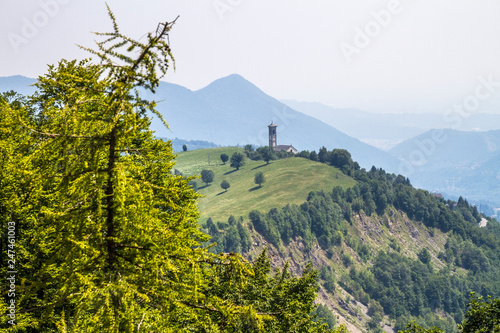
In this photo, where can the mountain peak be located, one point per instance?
(233, 83)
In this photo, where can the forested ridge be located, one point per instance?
(101, 234)
(393, 278)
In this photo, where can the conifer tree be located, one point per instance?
(112, 234)
(107, 237)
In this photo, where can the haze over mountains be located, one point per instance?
(454, 162)
(385, 130)
(232, 111)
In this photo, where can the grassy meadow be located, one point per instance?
(288, 181)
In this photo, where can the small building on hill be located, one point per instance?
(287, 148)
(273, 141)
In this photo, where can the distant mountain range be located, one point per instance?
(453, 162)
(232, 111)
(388, 129)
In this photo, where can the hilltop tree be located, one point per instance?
(207, 176)
(224, 158)
(259, 178)
(267, 153)
(184, 148)
(248, 148)
(237, 160)
(313, 156)
(323, 154)
(341, 158)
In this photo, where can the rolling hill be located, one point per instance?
(373, 266)
(288, 181)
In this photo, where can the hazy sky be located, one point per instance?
(405, 55)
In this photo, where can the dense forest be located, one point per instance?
(386, 281)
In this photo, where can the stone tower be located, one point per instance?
(272, 135)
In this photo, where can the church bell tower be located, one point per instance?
(272, 135)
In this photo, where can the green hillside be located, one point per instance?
(387, 253)
(288, 181)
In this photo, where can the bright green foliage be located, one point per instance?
(107, 237)
(18, 193)
(284, 301)
(259, 178)
(482, 316)
(340, 329)
(415, 328)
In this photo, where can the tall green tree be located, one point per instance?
(237, 160)
(107, 236)
(482, 315)
(112, 220)
(259, 178)
(290, 299)
(248, 149)
(207, 176)
(225, 185)
(224, 158)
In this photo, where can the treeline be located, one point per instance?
(406, 287)
(228, 237)
(376, 190)
(403, 288)
(395, 285)
(265, 153)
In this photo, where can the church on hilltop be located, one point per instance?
(273, 141)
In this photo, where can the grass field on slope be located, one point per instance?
(288, 181)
